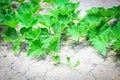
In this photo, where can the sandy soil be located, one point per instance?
(92, 65)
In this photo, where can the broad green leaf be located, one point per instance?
(49, 1)
(45, 37)
(28, 8)
(24, 30)
(9, 19)
(36, 48)
(63, 10)
(73, 31)
(115, 35)
(99, 45)
(68, 8)
(26, 13)
(115, 31)
(58, 2)
(83, 29)
(64, 19)
(31, 33)
(61, 2)
(103, 12)
(57, 27)
(10, 35)
(92, 21)
(27, 20)
(101, 39)
(72, 6)
(7, 2)
(54, 44)
(54, 12)
(34, 1)
(93, 10)
(75, 15)
(45, 20)
(20, 1)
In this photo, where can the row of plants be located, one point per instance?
(43, 33)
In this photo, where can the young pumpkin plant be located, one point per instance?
(42, 32)
(95, 26)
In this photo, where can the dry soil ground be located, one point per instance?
(92, 65)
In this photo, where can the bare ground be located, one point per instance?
(92, 65)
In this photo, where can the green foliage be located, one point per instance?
(57, 2)
(56, 59)
(26, 14)
(36, 48)
(10, 34)
(9, 19)
(42, 32)
(95, 26)
(74, 31)
(20, 1)
(116, 36)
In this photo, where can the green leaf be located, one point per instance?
(57, 27)
(92, 21)
(10, 35)
(54, 43)
(66, 9)
(27, 20)
(9, 19)
(64, 19)
(45, 37)
(100, 46)
(36, 48)
(115, 31)
(101, 39)
(115, 35)
(93, 10)
(58, 2)
(73, 31)
(23, 30)
(35, 1)
(45, 20)
(61, 2)
(26, 13)
(49, 1)
(28, 8)
(20, 1)
(31, 33)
